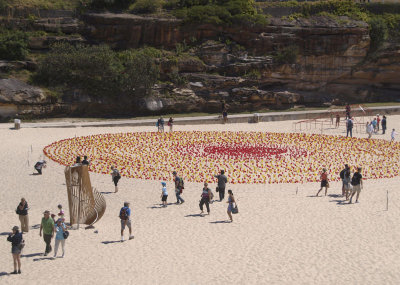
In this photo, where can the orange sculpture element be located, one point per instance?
(86, 205)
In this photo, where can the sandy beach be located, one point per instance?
(279, 237)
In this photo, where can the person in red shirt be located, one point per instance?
(324, 181)
(378, 121)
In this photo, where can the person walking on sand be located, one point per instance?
(337, 121)
(125, 216)
(179, 186)
(22, 211)
(47, 225)
(222, 180)
(393, 134)
(346, 182)
(16, 247)
(324, 182)
(39, 165)
(205, 198)
(357, 184)
(374, 123)
(225, 116)
(342, 177)
(378, 120)
(383, 125)
(115, 177)
(60, 229)
(170, 124)
(231, 200)
(370, 130)
(164, 194)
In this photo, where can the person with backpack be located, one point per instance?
(222, 180)
(115, 177)
(357, 184)
(125, 216)
(343, 178)
(179, 186)
(206, 197)
(60, 230)
(324, 182)
(22, 211)
(17, 244)
(39, 165)
(349, 126)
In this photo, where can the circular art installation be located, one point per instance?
(246, 157)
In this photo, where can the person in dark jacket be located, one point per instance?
(205, 198)
(22, 211)
(39, 165)
(383, 125)
(222, 180)
(16, 238)
(85, 161)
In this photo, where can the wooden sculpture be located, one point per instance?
(86, 205)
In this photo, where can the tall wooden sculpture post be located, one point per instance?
(86, 205)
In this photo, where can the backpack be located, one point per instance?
(122, 214)
(342, 173)
(21, 245)
(355, 180)
(350, 124)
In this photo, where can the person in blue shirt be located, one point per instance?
(125, 216)
(60, 228)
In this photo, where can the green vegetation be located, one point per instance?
(109, 4)
(287, 55)
(98, 70)
(41, 4)
(146, 6)
(13, 45)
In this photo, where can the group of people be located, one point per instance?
(351, 184)
(49, 227)
(374, 126)
(160, 124)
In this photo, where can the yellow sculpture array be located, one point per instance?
(86, 205)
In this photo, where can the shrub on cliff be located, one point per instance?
(146, 6)
(287, 55)
(378, 32)
(13, 45)
(98, 70)
(110, 4)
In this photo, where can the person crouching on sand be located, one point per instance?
(115, 177)
(324, 182)
(231, 200)
(39, 165)
(164, 194)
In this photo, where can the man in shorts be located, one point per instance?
(125, 216)
(357, 184)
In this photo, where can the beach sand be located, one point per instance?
(277, 238)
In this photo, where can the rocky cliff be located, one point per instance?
(247, 66)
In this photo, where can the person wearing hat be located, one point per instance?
(47, 225)
(16, 241)
(22, 211)
(324, 181)
(61, 213)
(164, 194)
(178, 188)
(60, 229)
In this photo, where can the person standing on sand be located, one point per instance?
(231, 200)
(205, 198)
(383, 125)
(170, 124)
(222, 180)
(324, 182)
(47, 225)
(393, 134)
(78, 161)
(60, 229)
(337, 121)
(125, 216)
(22, 211)
(39, 165)
(178, 188)
(16, 239)
(349, 127)
(357, 184)
(378, 120)
(115, 177)
(225, 116)
(348, 110)
(370, 130)
(164, 194)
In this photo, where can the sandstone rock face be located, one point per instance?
(17, 92)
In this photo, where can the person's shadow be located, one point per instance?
(340, 202)
(194, 215)
(159, 206)
(44, 258)
(4, 233)
(111, 241)
(107, 192)
(32, 254)
(221, 222)
(3, 274)
(34, 174)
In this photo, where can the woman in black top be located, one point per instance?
(16, 238)
(22, 211)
